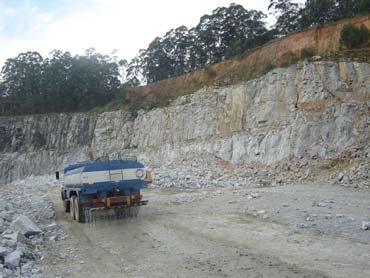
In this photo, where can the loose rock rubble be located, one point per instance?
(27, 227)
(208, 171)
(357, 175)
(365, 225)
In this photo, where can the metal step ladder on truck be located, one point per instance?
(112, 186)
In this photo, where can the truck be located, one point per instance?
(89, 187)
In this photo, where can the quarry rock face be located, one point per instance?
(315, 111)
(34, 145)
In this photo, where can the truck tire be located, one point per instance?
(79, 212)
(72, 208)
(67, 205)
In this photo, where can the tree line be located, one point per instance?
(227, 32)
(62, 82)
(293, 17)
(230, 31)
(59, 83)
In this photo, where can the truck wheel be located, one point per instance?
(72, 208)
(67, 205)
(79, 212)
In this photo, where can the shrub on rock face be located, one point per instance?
(288, 59)
(354, 37)
(307, 53)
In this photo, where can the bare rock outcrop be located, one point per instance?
(312, 111)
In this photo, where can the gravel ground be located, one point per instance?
(249, 230)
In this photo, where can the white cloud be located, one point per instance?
(9, 11)
(105, 24)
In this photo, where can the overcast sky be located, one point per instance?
(75, 25)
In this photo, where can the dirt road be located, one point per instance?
(286, 231)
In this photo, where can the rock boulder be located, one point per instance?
(13, 259)
(25, 226)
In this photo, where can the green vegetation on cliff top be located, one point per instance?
(32, 84)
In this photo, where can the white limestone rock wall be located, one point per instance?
(37, 145)
(314, 110)
(310, 110)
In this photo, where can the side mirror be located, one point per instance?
(57, 175)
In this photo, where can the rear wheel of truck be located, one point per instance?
(67, 205)
(79, 212)
(72, 207)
